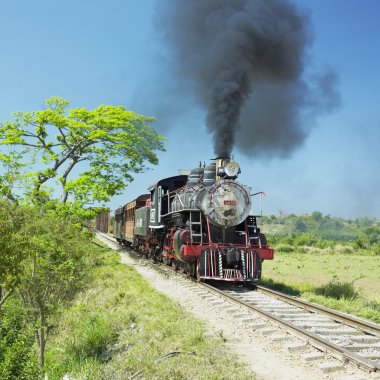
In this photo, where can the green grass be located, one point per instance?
(341, 281)
(121, 328)
(319, 269)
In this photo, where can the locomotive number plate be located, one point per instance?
(229, 203)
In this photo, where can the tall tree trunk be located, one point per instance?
(41, 339)
(41, 332)
(41, 349)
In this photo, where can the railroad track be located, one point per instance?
(347, 338)
(344, 337)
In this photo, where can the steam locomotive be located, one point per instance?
(199, 223)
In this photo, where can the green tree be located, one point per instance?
(317, 216)
(44, 261)
(11, 173)
(13, 247)
(89, 153)
(55, 269)
(300, 226)
(372, 234)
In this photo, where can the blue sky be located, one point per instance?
(109, 52)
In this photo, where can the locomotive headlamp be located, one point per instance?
(232, 169)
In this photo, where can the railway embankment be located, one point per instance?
(121, 327)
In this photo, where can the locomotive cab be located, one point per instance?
(160, 198)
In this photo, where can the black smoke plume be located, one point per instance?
(245, 62)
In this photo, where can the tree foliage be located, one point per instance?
(14, 245)
(45, 260)
(54, 270)
(89, 153)
(12, 173)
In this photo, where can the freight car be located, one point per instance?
(199, 223)
(103, 221)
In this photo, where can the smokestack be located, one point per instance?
(221, 162)
(244, 61)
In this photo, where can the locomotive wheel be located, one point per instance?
(182, 268)
(197, 272)
(157, 255)
(190, 269)
(174, 265)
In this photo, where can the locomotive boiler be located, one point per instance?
(199, 222)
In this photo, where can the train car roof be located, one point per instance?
(176, 177)
(142, 197)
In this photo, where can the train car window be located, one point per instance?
(164, 200)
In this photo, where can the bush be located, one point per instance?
(324, 244)
(284, 248)
(338, 290)
(16, 342)
(345, 249)
(304, 239)
(375, 249)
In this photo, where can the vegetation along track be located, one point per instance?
(347, 338)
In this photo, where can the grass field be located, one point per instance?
(122, 328)
(318, 270)
(309, 275)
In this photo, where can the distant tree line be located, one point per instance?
(323, 231)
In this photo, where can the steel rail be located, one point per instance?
(365, 326)
(316, 341)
